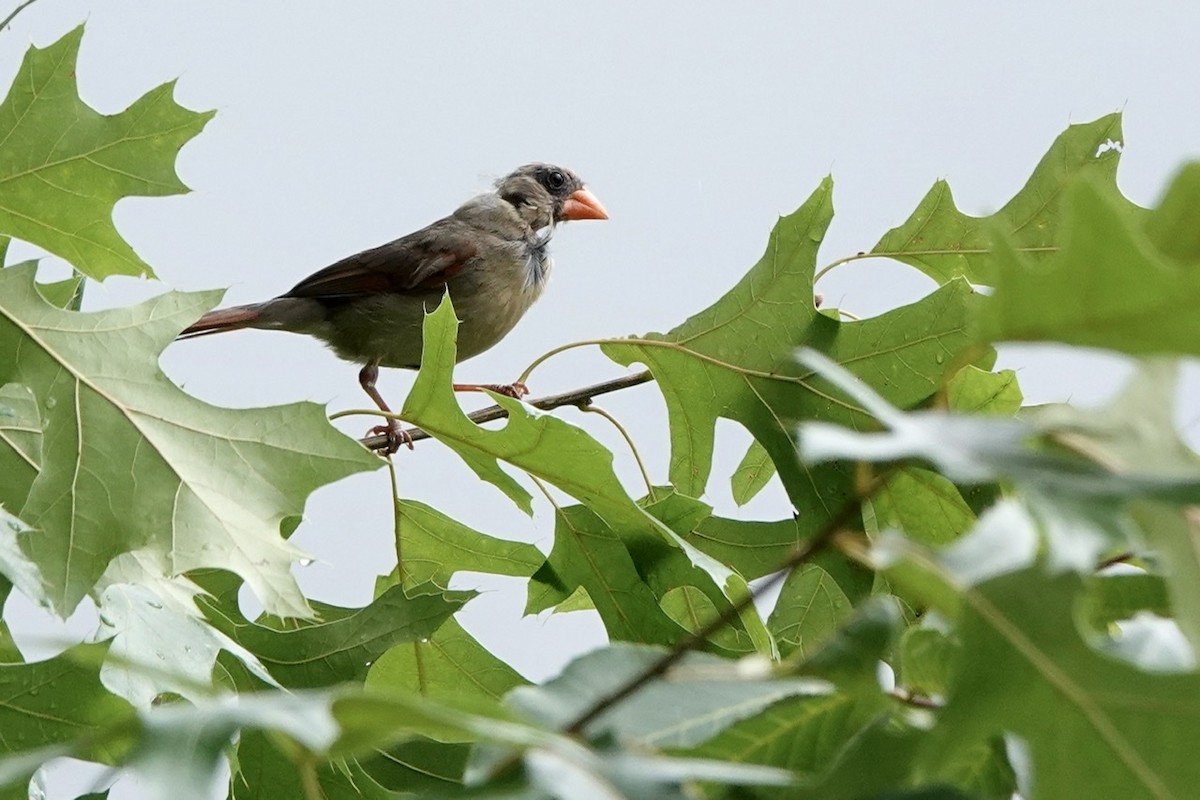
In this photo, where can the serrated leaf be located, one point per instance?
(129, 461)
(809, 609)
(927, 661)
(924, 505)
(944, 243)
(976, 391)
(696, 700)
(588, 554)
(66, 294)
(341, 645)
(1028, 672)
(881, 763)
(692, 610)
(157, 647)
(984, 449)
(570, 459)
(63, 165)
(1112, 598)
(801, 734)
(20, 443)
(1175, 535)
(1111, 276)
(449, 664)
(263, 770)
(752, 475)
(732, 360)
(58, 701)
(15, 568)
(433, 547)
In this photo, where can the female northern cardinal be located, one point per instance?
(490, 255)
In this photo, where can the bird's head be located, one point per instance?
(545, 195)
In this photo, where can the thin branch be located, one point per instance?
(576, 397)
(801, 553)
(8, 20)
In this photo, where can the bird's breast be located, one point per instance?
(491, 299)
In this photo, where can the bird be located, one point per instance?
(490, 255)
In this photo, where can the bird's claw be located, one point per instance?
(397, 437)
(513, 390)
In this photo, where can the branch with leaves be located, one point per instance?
(119, 488)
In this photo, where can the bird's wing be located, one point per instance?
(425, 259)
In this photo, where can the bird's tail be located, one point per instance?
(223, 319)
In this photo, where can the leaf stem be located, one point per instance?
(544, 357)
(591, 409)
(391, 466)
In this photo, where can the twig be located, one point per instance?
(575, 397)
(8, 20)
(802, 552)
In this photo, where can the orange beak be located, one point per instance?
(582, 204)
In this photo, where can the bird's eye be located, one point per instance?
(555, 179)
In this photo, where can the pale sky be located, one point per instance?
(341, 126)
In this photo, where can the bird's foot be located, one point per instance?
(514, 390)
(397, 437)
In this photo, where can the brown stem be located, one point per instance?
(575, 397)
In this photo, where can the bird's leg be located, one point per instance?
(395, 434)
(515, 390)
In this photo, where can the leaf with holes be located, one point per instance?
(1126, 284)
(129, 461)
(944, 243)
(63, 165)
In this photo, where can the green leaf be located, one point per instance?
(1174, 534)
(587, 553)
(944, 243)
(801, 734)
(447, 665)
(66, 294)
(927, 660)
(15, 569)
(570, 459)
(1112, 598)
(63, 165)
(1028, 672)
(809, 609)
(732, 360)
(752, 474)
(131, 461)
(923, 504)
(340, 646)
(263, 770)
(703, 367)
(692, 610)
(58, 701)
(985, 449)
(1117, 282)
(20, 443)
(160, 647)
(701, 696)
(977, 391)
(433, 547)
